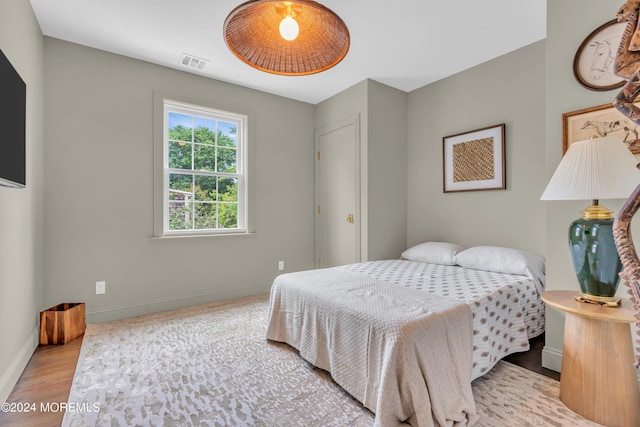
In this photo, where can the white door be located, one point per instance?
(337, 222)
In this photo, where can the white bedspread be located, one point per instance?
(404, 353)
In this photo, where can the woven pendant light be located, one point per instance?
(252, 32)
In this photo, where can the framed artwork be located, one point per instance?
(599, 121)
(474, 160)
(593, 62)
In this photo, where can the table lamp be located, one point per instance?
(595, 169)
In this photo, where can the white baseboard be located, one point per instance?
(11, 376)
(551, 358)
(132, 310)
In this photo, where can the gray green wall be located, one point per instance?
(99, 189)
(21, 211)
(387, 177)
(510, 90)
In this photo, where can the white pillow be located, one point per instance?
(433, 252)
(502, 260)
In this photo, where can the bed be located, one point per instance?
(406, 337)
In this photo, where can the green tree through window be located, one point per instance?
(203, 184)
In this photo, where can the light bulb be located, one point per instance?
(289, 29)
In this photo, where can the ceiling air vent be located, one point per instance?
(192, 61)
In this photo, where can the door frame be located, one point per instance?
(320, 247)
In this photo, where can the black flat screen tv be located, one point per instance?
(13, 102)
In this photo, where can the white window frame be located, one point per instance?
(164, 105)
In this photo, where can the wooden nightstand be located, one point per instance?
(598, 379)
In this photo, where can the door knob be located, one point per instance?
(350, 219)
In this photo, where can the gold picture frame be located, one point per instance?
(599, 121)
(474, 160)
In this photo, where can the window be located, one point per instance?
(203, 170)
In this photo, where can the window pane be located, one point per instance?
(226, 159)
(204, 158)
(205, 216)
(227, 134)
(182, 185)
(206, 188)
(180, 126)
(180, 155)
(228, 190)
(180, 215)
(228, 215)
(204, 130)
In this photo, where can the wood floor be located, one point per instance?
(532, 359)
(46, 381)
(44, 384)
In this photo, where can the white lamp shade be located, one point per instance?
(600, 168)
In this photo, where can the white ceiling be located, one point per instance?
(405, 44)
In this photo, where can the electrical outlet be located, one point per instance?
(280, 265)
(101, 287)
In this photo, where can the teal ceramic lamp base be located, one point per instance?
(594, 255)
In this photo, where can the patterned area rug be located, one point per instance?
(210, 365)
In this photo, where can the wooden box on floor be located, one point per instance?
(62, 323)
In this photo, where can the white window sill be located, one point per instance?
(214, 235)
